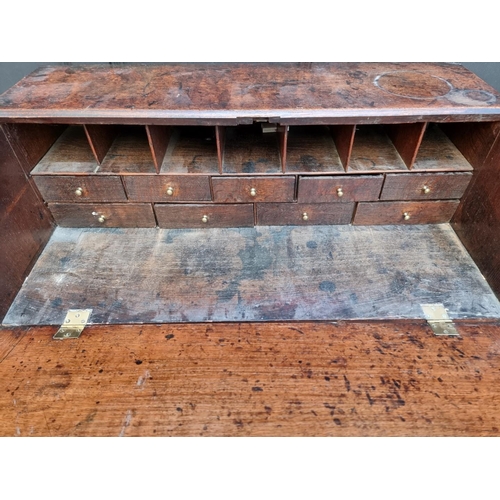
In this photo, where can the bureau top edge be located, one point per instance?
(225, 94)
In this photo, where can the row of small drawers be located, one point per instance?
(282, 189)
(176, 215)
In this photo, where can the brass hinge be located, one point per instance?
(74, 323)
(438, 319)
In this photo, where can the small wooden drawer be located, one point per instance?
(103, 214)
(341, 188)
(424, 212)
(80, 188)
(178, 216)
(151, 188)
(253, 189)
(291, 214)
(425, 186)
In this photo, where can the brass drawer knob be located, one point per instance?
(204, 219)
(253, 192)
(170, 191)
(340, 193)
(406, 216)
(305, 216)
(101, 219)
(79, 192)
(426, 189)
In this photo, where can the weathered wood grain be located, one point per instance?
(311, 149)
(405, 212)
(158, 138)
(80, 189)
(373, 151)
(240, 189)
(412, 186)
(152, 188)
(406, 138)
(303, 214)
(70, 154)
(253, 274)
(204, 216)
(437, 152)
(285, 379)
(191, 150)
(217, 94)
(327, 189)
(250, 151)
(120, 215)
(343, 136)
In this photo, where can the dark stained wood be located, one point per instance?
(411, 186)
(437, 152)
(477, 220)
(284, 379)
(473, 140)
(300, 214)
(312, 149)
(152, 188)
(129, 153)
(31, 141)
(420, 212)
(115, 214)
(25, 229)
(248, 150)
(158, 138)
(239, 189)
(94, 188)
(100, 138)
(191, 150)
(343, 136)
(193, 216)
(70, 154)
(373, 151)
(220, 135)
(406, 138)
(326, 189)
(266, 273)
(283, 141)
(224, 93)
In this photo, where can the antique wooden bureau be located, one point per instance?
(260, 174)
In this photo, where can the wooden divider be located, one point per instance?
(407, 138)
(220, 135)
(343, 136)
(158, 138)
(283, 139)
(100, 138)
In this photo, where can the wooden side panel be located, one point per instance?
(477, 220)
(100, 138)
(408, 212)
(406, 138)
(343, 136)
(103, 214)
(158, 138)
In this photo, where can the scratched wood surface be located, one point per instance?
(282, 379)
(266, 273)
(237, 93)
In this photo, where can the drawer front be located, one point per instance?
(103, 215)
(165, 188)
(186, 216)
(425, 186)
(253, 189)
(291, 214)
(425, 212)
(80, 188)
(339, 188)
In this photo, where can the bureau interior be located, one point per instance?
(254, 222)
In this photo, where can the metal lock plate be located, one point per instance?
(74, 323)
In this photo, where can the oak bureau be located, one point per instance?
(231, 161)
